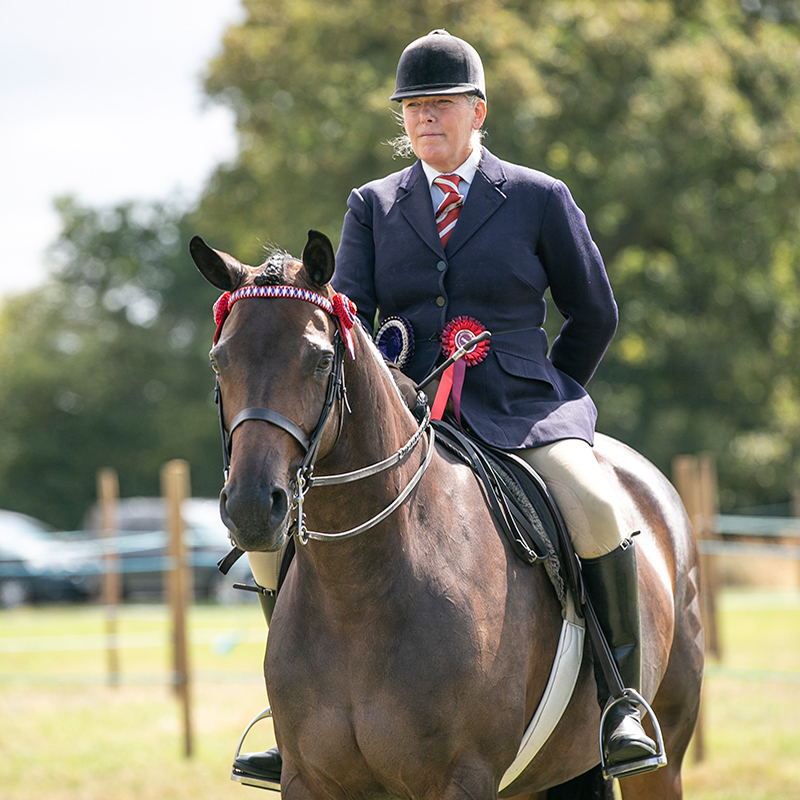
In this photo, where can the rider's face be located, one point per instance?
(441, 128)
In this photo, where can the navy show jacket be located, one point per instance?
(519, 233)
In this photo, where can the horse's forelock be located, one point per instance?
(273, 270)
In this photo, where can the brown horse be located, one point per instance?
(406, 661)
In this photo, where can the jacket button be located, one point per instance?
(441, 266)
(440, 301)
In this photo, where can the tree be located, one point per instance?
(107, 365)
(676, 126)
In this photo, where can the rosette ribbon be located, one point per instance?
(457, 334)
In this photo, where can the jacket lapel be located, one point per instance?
(484, 198)
(414, 202)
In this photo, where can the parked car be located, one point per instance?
(37, 565)
(143, 547)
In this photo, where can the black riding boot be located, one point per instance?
(613, 589)
(260, 769)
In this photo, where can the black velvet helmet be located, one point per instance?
(439, 64)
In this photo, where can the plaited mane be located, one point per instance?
(273, 272)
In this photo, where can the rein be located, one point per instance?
(343, 310)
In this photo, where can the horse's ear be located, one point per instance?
(218, 268)
(318, 258)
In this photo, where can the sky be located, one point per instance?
(102, 100)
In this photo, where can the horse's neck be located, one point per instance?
(376, 421)
(375, 426)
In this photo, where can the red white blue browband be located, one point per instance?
(341, 307)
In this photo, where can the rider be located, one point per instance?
(519, 234)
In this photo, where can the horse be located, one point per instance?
(410, 646)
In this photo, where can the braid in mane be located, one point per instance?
(273, 271)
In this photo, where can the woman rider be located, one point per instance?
(505, 234)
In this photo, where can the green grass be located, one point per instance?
(751, 703)
(67, 735)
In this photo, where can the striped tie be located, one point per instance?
(450, 207)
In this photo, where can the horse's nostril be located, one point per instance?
(280, 506)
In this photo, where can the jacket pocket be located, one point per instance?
(523, 366)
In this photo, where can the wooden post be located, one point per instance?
(695, 480)
(175, 489)
(795, 510)
(108, 496)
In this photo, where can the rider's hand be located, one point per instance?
(415, 400)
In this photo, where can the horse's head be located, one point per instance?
(273, 359)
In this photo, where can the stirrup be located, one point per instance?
(247, 780)
(639, 765)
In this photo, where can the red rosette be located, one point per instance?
(345, 310)
(460, 332)
(221, 309)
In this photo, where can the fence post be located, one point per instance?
(795, 510)
(709, 508)
(108, 496)
(695, 480)
(175, 489)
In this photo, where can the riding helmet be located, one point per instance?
(439, 64)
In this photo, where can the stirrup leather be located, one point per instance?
(248, 780)
(635, 766)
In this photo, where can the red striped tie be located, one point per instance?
(450, 207)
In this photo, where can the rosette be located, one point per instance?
(395, 340)
(458, 333)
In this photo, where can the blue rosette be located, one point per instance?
(395, 340)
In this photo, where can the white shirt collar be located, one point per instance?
(466, 171)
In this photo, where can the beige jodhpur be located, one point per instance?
(582, 492)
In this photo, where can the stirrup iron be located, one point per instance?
(636, 766)
(247, 780)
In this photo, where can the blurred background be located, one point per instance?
(127, 129)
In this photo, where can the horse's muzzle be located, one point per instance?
(257, 521)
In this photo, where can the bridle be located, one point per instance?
(344, 312)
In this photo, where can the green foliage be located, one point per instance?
(675, 124)
(107, 366)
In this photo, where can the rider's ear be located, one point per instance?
(218, 268)
(318, 258)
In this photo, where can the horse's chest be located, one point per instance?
(368, 703)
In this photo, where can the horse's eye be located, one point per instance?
(325, 363)
(213, 362)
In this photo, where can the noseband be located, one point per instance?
(344, 311)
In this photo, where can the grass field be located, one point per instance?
(67, 735)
